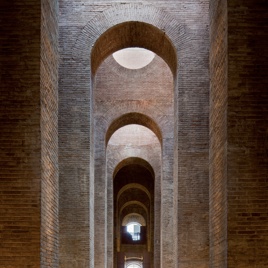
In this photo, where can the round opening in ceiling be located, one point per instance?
(134, 57)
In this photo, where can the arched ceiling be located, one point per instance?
(133, 190)
(134, 217)
(133, 173)
(131, 161)
(134, 194)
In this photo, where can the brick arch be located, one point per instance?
(155, 115)
(134, 160)
(131, 186)
(133, 34)
(134, 194)
(133, 208)
(133, 202)
(133, 118)
(134, 217)
(156, 21)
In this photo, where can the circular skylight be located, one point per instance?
(133, 135)
(134, 57)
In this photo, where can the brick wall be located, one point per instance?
(247, 134)
(218, 134)
(28, 152)
(20, 147)
(49, 133)
(76, 219)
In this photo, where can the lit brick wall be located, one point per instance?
(218, 134)
(49, 133)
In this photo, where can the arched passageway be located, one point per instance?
(134, 195)
(133, 102)
(107, 92)
(133, 190)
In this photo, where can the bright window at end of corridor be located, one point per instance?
(134, 228)
(134, 264)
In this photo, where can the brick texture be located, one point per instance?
(218, 134)
(247, 134)
(49, 134)
(28, 174)
(20, 146)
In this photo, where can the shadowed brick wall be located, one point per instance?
(28, 136)
(20, 141)
(247, 134)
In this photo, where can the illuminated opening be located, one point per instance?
(134, 228)
(134, 265)
(134, 57)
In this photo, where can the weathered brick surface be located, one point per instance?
(20, 146)
(49, 134)
(218, 134)
(247, 134)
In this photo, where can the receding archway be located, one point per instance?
(166, 116)
(136, 111)
(136, 181)
(133, 160)
(75, 131)
(133, 186)
(134, 193)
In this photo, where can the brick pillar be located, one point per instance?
(100, 197)
(20, 153)
(247, 134)
(218, 134)
(167, 206)
(49, 134)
